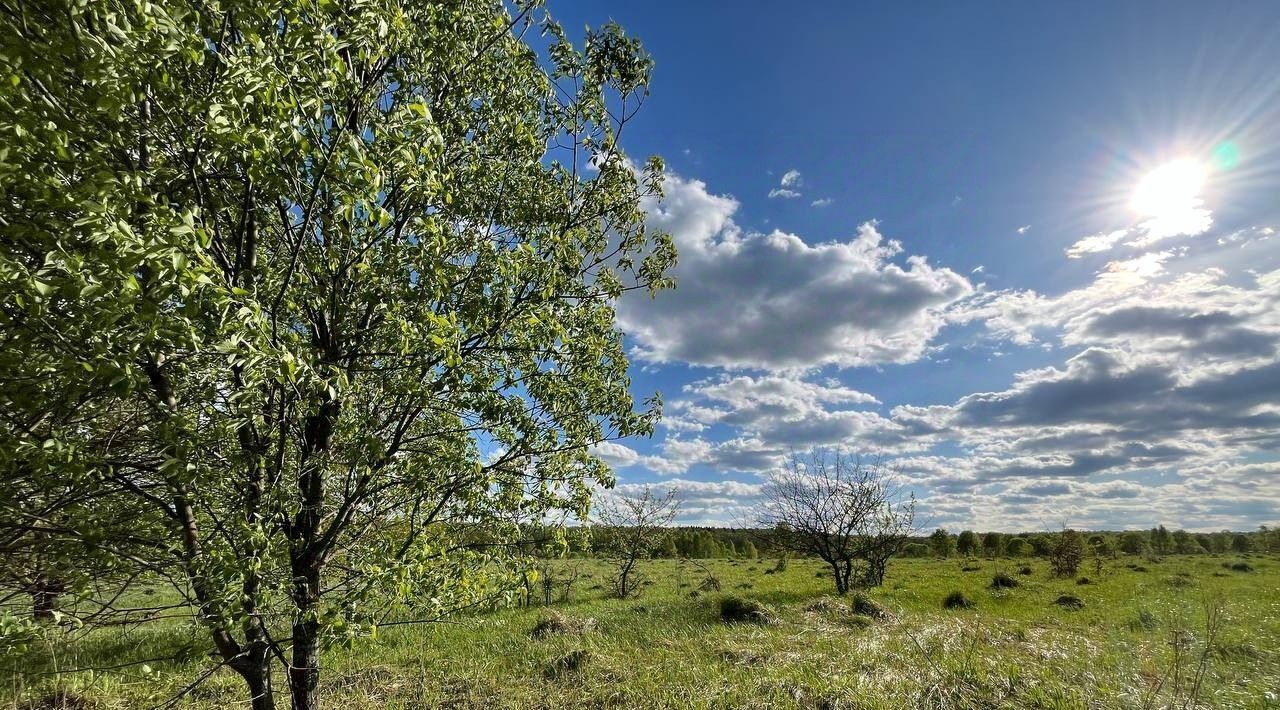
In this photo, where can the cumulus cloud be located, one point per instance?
(823, 202)
(791, 178)
(783, 193)
(773, 301)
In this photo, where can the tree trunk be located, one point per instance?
(304, 671)
(256, 671)
(44, 597)
(841, 575)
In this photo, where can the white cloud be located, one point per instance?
(791, 178)
(824, 202)
(773, 301)
(1023, 229)
(1096, 243)
(784, 193)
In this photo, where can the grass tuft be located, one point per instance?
(957, 600)
(1069, 602)
(734, 609)
(1003, 580)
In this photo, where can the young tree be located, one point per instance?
(638, 530)
(1066, 551)
(1017, 547)
(942, 543)
(967, 543)
(350, 269)
(844, 510)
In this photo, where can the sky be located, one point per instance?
(1026, 251)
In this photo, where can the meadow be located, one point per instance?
(1176, 632)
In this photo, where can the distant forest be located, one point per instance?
(749, 543)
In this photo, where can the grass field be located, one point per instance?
(1140, 640)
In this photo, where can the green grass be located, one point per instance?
(1014, 649)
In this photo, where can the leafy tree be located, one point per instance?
(345, 271)
(993, 544)
(1241, 543)
(1041, 544)
(1134, 542)
(749, 550)
(1161, 540)
(967, 543)
(1018, 547)
(843, 510)
(942, 543)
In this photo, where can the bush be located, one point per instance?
(1003, 581)
(1084, 580)
(866, 606)
(1242, 567)
(957, 600)
(1070, 602)
(740, 610)
(1024, 570)
(970, 568)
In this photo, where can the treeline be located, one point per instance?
(746, 543)
(691, 542)
(1156, 541)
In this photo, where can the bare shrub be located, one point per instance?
(636, 530)
(848, 511)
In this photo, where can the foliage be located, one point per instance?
(316, 298)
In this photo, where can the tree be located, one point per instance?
(942, 543)
(1066, 551)
(1161, 540)
(349, 273)
(1134, 542)
(844, 510)
(1018, 547)
(967, 543)
(637, 529)
(993, 544)
(1241, 543)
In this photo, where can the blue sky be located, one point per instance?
(924, 231)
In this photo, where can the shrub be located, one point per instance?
(1084, 580)
(957, 600)
(1242, 567)
(1065, 553)
(866, 606)
(1024, 570)
(1070, 602)
(1002, 580)
(970, 568)
(740, 610)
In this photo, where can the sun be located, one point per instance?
(1171, 189)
